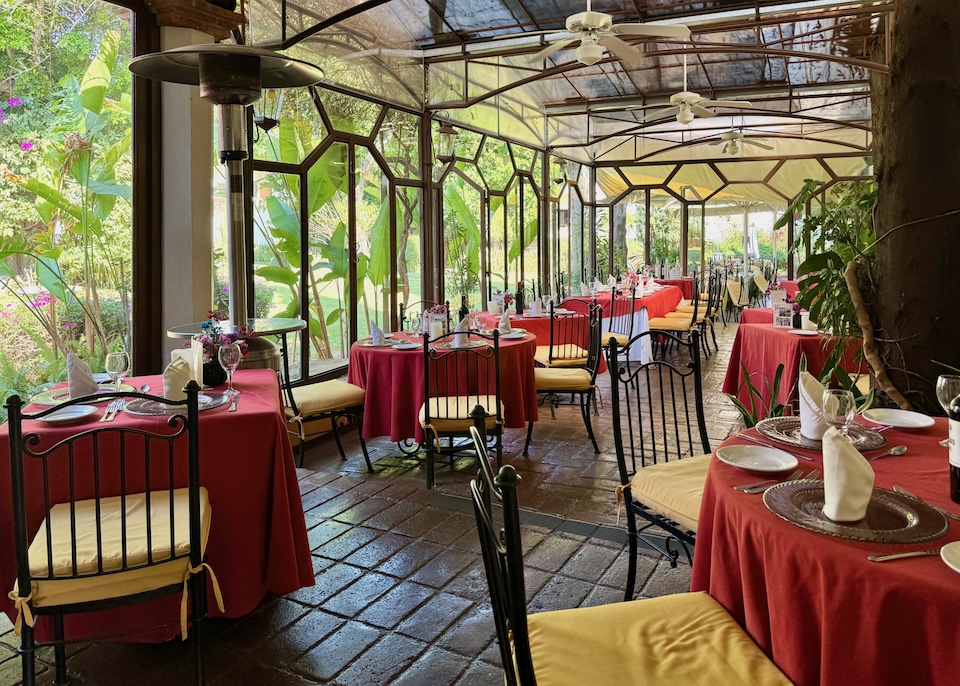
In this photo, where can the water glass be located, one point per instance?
(117, 365)
(229, 356)
(839, 409)
(948, 388)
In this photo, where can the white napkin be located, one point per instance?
(505, 323)
(584, 289)
(597, 285)
(79, 377)
(376, 335)
(175, 377)
(461, 335)
(847, 479)
(612, 282)
(536, 307)
(812, 422)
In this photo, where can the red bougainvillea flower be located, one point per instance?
(14, 102)
(26, 145)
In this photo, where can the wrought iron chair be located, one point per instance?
(101, 521)
(652, 406)
(709, 304)
(681, 325)
(313, 409)
(561, 282)
(737, 298)
(622, 308)
(414, 311)
(671, 639)
(553, 381)
(455, 382)
(567, 332)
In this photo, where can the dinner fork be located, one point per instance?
(791, 477)
(760, 489)
(111, 412)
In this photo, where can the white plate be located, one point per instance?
(74, 413)
(388, 335)
(950, 554)
(756, 458)
(103, 377)
(899, 419)
(803, 332)
(512, 336)
(406, 346)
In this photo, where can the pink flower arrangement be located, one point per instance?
(438, 309)
(212, 336)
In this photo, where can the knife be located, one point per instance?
(775, 447)
(903, 491)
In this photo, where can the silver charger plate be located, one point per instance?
(786, 430)
(891, 517)
(152, 408)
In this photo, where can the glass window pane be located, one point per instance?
(299, 132)
(374, 259)
(349, 114)
(399, 141)
(495, 164)
(461, 241)
(408, 245)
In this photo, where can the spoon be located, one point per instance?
(900, 556)
(144, 388)
(895, 450)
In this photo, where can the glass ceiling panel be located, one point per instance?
(751, 192)
(650, 175)
(745, 170)
(790, 177)
(695, 180)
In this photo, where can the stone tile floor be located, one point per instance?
(400, 595)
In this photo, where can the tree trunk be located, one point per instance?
(917, 166)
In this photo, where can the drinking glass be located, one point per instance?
(117, 365)
(839, 409)
(229, 356)
(948, 388)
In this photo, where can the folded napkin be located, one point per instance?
(79, 377)
(505, 323)
(376, 335)
(175, 377)
(461, 333)
(847, 479)
(536, 308)
(597, 285)
(812, 422)
(612, 282)
(584, 289)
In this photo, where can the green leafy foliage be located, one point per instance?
(750, 413)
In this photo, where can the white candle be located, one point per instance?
(436, 330)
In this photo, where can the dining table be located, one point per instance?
(393, 381)
(685, 284)
(257, 544)
(646, 307)
(761, 348)
(791, 288)
(814, 603)
(756, 315)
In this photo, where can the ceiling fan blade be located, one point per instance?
(552, 48)
(652, 30)
(718, 143)
(660, 114)
(747, 141)
(702, 111)
(623, 50)
(727, 103)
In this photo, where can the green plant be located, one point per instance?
(750, 414)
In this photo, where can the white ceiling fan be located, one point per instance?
(596, 31)
(732, 141)
(688, 105)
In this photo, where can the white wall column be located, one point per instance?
(187, 230)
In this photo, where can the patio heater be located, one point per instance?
(231, 77)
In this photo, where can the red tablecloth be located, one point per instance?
(757, 315)
(762, 347)
(258, 540)
(656, 304)
(685, 285)
(790, 288)
(814, 603)
(540, 327)
(393, 380)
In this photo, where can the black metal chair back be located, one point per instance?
(503, 562)
(416, 311)
(622, 307)
(561, 281)
(567, 331)
(657, 407)
(104, 467)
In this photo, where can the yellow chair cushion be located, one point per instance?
(451, 413)
(118, 584)
(326, 396)
(563, 356)
(686, 638)
(669, 323)
(607, 335)
(554, 379)
(701, 315)
(673, 489)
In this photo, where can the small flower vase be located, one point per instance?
(214, 374)
(797, 321)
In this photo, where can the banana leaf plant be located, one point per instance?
(76, 191)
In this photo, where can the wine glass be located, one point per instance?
(948, 388)
(229, 356)
(839, 409)
(117, 365)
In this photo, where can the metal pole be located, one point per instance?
(236, 244)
